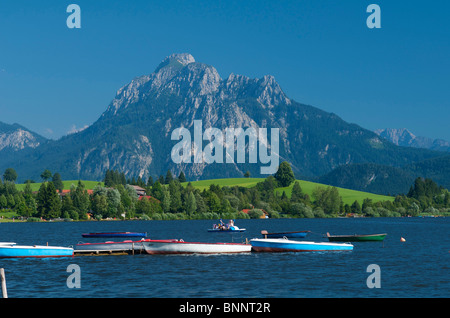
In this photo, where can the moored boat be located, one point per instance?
(114, 234)
(286, 245)
(356, 237)
(181, 247)
(296, 234)
(12, 250)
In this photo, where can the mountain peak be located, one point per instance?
(176, 60)
(399, 137)
(17, 137)
(404, 137)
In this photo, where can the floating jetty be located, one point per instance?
(110, 248)
(104, 252)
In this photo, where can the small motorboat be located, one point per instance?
(12, 250)
(286, 245)
(182, 247)
(114, 234)
(356, 237)
(296, 234)
(221, 227)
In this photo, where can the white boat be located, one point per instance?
(182, 247)
(12, 250)
(286, 245)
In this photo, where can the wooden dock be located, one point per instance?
(3, 282)
(109, 248)
(107, 252)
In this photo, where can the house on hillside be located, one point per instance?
(264, 216)
(148, 197)
(140, 191)
(65, 192)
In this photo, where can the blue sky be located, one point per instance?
(54, 79)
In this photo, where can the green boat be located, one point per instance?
(356, 237)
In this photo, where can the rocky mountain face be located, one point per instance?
(15, 138)
(403, 137)
(134, 134)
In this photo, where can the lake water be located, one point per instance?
(418, 267)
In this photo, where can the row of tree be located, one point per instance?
(11, 175)
(173, 200)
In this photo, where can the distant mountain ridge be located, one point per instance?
(16, 137)
(404, 137)
(133, 135)
(383, 179)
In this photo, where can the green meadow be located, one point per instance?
(348, 196)
(231, 182)
(67, 184)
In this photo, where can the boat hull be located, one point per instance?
(37, 251)
(299, 234)
(356, 238)
(284, 245)
(114, 234)
(180, 247)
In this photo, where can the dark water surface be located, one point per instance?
(418, 267)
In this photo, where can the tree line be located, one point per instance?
(170, 197)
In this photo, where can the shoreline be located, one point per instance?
(7, 220)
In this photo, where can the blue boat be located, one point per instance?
(285, 245)
(12, 250)
(296, 234)
(114, 234)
